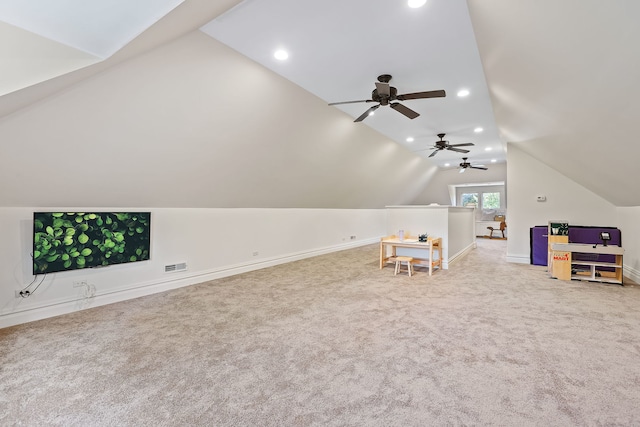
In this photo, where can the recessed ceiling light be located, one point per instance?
(410, 139)
(493, 160)
(488, 149)
(416, 3)
(478, 130)
(446, 165)
(463, 92)
(281, 54)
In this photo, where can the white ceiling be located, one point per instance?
(44, 39)
(338, 49)
(98, 28)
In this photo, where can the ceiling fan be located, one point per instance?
(383, 94)
(444, 145)
(464, 165)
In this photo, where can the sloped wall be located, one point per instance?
(566, 200)
(230, 158)
(195, 124)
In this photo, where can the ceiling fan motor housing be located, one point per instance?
(384, 99)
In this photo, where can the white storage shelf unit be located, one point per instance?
(594, 271)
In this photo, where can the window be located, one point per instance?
(469, 199)
(490, 200)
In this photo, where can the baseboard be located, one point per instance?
(631, 273)
(456, 257)
(152, 287)
(519, 259)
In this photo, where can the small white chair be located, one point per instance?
(400, 260)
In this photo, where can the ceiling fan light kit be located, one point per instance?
(385, 94)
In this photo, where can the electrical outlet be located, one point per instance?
(256, 253)
(79, 283)
(90, 291)
(23, 294)
(353, 237)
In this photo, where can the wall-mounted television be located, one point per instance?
(64, 241)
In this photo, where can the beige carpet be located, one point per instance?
(334, 341)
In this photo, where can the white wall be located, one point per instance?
(528, 178)
(219, 148)
(213, 242)
(629, 223)
(454, 225)
(461, 230)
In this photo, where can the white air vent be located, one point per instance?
(175, 267)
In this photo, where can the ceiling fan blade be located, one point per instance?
(422, 95)
(434, 152)
(383, 89)
(459, 150)
(480, 167)
(465, 144)
(352, 102)
(404, 110)
(366, 113)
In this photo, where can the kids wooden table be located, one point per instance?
(389, 244)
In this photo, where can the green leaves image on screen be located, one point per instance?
(72, 240)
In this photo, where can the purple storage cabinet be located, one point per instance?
(577, 234)
(538, 242)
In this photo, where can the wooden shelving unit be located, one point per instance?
(597, 275)
(565, 267)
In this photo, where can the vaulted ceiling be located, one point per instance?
(555, 78)
(337, 51)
